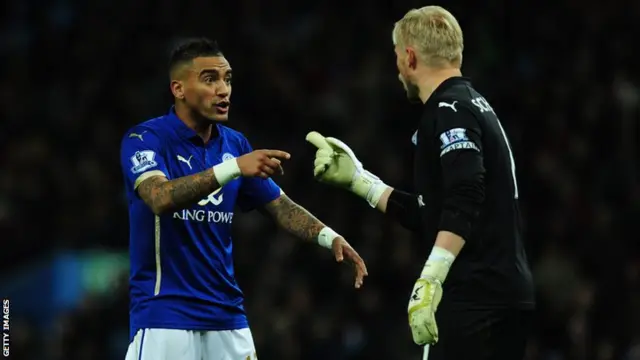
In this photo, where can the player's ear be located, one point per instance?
(177, 89)
(412, 57)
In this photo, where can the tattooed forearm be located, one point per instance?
(163, 195)
(294, 218)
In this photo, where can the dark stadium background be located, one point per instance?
(562, 76)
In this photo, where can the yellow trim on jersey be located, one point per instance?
(145, 176)
(157, 248)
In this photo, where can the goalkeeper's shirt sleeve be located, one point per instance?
(461, 159)
(405, 209)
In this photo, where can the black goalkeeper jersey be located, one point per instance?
(465, 183)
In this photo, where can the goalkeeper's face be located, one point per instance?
(207, 89)
(406, 61)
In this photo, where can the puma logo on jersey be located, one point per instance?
(452, 105)
(139, 136)
(186, 161)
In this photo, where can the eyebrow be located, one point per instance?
(214, 71)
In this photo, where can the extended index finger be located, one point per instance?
(318, 140)
(277, 154)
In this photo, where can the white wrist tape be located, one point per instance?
(326, 236)
(368, 186)
(226, 171)
(374, 195)
(438, 264)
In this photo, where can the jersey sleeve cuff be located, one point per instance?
(456, 223)
(145, 176)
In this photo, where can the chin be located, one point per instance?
(220, 118)
(217, 117)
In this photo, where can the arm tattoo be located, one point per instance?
(164, 195)
(294, 218)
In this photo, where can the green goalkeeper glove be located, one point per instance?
(426, 296)
(337, 165)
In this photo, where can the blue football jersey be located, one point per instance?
(182, 274)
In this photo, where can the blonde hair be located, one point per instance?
(435, 34)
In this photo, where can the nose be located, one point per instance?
(223, 89)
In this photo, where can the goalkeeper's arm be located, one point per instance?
(336, 164)
(401, 206)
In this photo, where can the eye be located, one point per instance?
(208, 79)
(228, 80)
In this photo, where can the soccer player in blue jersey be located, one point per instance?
(184, 174)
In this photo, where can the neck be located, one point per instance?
(202, 127)
(432, 78)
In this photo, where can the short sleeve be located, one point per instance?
(254, 191)
(141, 157)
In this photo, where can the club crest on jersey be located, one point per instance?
(227, 156)
(143, 160)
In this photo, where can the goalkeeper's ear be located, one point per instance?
(318, 140)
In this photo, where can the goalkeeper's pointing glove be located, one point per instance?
(336, 164)
(426, 296)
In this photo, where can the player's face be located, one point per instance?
(404, 63)
(207, 90)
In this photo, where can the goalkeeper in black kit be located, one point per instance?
(474, 298)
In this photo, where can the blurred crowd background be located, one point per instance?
(76, 75)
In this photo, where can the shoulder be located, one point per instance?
(455, 98)
(233, 136)
(453, 113)
(465, 97)
(147, 131)
(458, 99)
(230, 133)
(451, 108)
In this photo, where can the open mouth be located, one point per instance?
(223, 106)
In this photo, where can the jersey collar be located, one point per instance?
(445, 85)
(181, 128)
